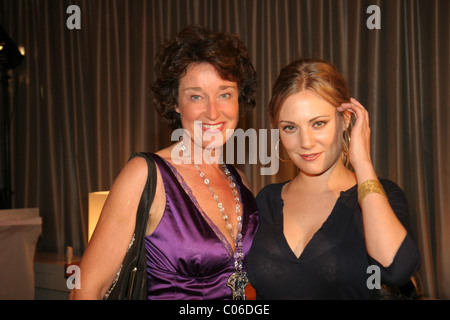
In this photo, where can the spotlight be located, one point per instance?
(10, 56)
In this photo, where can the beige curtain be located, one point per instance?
(81, 101)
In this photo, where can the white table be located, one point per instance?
(19, 232)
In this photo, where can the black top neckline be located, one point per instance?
(307, 252)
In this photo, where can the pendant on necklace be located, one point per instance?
(237, 282)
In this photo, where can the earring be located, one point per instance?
(277, 153)
(345, 147)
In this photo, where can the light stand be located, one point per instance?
(10, 57)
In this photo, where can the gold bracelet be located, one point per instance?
(368, 187)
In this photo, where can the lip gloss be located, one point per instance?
(310, 157)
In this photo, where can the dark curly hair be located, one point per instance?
(195, 44)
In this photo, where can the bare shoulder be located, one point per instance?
(135, 169)
(119, 212)
(133, 176)
(136, 173)
(166, 153)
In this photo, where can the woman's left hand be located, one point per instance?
(359, 149)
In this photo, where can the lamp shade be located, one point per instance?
(96, 202)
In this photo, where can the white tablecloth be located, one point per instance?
(19, 232)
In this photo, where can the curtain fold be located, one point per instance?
(82, 105)
(439, 156)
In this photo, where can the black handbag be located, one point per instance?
(408, 291)
(131, 280)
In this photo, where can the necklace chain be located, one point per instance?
(238, 255)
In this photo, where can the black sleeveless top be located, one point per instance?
(334, 264)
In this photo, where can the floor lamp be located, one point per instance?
(10, 57)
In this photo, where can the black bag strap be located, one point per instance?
(147, 195)
(138, 289)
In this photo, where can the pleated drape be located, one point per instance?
(81, 101)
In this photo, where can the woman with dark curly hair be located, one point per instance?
(203, 217)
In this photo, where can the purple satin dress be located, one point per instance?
(187, 256)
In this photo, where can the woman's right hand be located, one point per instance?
(359, 148)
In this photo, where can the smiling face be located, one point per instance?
(311, 132)
(208, 105)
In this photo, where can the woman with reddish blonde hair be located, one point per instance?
(320, 231)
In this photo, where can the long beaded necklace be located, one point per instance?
(238, 280)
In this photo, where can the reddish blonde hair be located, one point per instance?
(318, 76)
